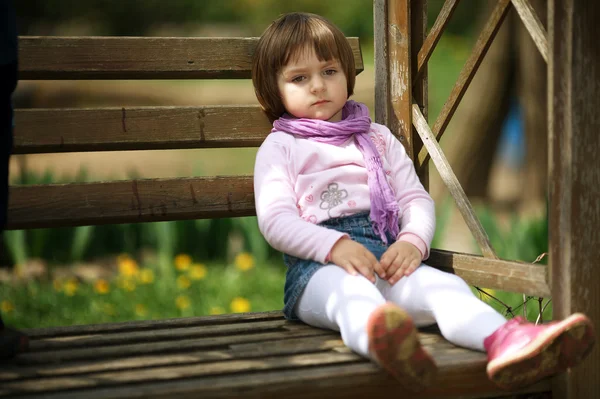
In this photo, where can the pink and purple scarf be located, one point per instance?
(355, 122)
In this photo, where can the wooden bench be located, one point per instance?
(255, 354)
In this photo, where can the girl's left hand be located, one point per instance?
(401, 259)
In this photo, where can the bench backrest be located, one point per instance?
(136, 128)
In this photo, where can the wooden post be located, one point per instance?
(574, 177)
(399, 29)
(418, 14)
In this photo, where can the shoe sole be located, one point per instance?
(394, 343)
(562, 346)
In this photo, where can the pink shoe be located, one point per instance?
(394, 345)
(521, 353)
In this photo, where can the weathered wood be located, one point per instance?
(283, 366)
(419, 89)
(288, 346)
(449, 178)
(186, 371)
(381, 63)
(128, 326)
(492, 273)
(400, 80)
(141, 57)
(159, 334)
(130, 201)
(533, 24)
(138, 128)
(466, 74)
(161, 347)
(574, 177)
(434, 36)
(352, 380)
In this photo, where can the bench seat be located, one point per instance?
(249, 355)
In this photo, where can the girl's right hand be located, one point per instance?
(355, 258)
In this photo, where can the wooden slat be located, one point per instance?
(343, 381)
(533, 24)
(320, 367)
(92, 57)
(162, 347)
(130, 201)
(185, 371)
(289, 346)
(467, 73)
(143, 325)
(138, 128)
(451, 181)
(491, 273)
(434, 36)
(574, 178)
(159, 334)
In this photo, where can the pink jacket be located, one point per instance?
(299, 183)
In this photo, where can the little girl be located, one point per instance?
(338, 195)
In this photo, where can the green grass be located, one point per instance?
(46, 303)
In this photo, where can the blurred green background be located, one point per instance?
(156, 270)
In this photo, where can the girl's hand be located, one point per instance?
(355, 258)
(401, 259)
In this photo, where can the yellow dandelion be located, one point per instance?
(71, 286)
(57, 284)
(108, 309)
(146, 276)
(240, 305)
(6, 306)
(140, 310)
(183, 282)
(215, 310)
(244, 261)
(182, 302)
(197, 271)
(101, 286)
(183, 262)
(128, 267)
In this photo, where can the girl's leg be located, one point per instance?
(336, 300)
(430, 295)
(382, 331)
(519, 352)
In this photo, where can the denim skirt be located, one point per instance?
(300, 271)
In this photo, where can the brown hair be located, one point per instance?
(284, 39)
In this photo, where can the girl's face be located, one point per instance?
(313, 89)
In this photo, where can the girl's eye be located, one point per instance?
(330, 72)
(298, 79)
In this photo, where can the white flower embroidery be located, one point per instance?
(332, 197)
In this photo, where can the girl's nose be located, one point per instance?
(317, 84)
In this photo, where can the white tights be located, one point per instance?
(338, 301)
